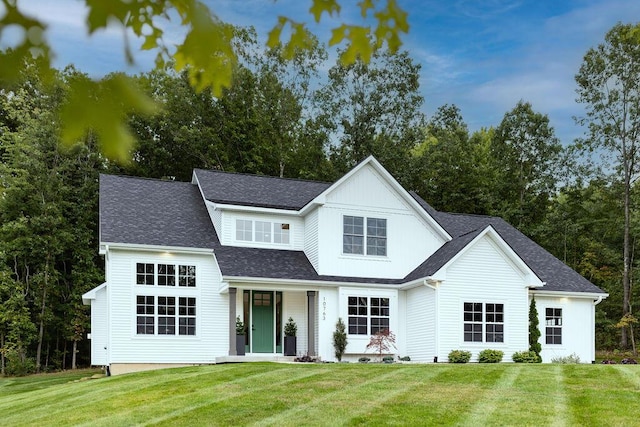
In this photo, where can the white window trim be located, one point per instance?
(484, 342)
(364, 254)
(544, 323)
(255, 243)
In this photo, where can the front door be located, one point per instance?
(262, 322)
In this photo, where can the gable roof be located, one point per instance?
(557, 276)
(257, 190)
(142, 211)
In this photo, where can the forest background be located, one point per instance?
(285, 118)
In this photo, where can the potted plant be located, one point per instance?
(240, 337)
(290, 331)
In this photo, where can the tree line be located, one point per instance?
(290, 118)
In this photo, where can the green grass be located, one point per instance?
(332, 394)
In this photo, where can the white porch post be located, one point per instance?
(232, 321)
(311, 323)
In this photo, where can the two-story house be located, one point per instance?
(184, 260)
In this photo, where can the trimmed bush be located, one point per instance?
(572, 359)
(459, 356)
(364, 360)
(490, 356)
(526, 357)
(387, 359)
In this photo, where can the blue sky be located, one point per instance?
(481, 55)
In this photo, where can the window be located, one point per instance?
(187, 276)
(145, 319)
(473, 321)
(376, 236)
(353, 236)
(263, 231)
(144, 274)
(367, 316)
(479, 317)
(553, 321)
(494, 318)
(166, 275)
(244, 230)
(187, 316)
(164, 315)
(280, 233)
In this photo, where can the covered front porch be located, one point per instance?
(264, 310)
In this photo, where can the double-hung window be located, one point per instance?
(145, 319)
(553, 322)
(367, 315)
(355, 235)
(159, 314)
(483, 320)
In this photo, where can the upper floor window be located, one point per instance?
(166, 274)
(355, 235)
(262, 231)
(483, 319)
(553, 321)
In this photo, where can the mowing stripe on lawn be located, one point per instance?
(370, 394)
(484, 408)
(560, 402)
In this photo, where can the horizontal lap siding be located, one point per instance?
(99, 328)
(211, 312)
(578, 317)
(421, 323)
(311, 238)
(483, 274)
(295, 306)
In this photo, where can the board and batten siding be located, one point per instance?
(410, 239)
(328, 314)
(421, 324)
(212, 337)
(482, 274)
(295, 306)
(311, 227)
(578, 318)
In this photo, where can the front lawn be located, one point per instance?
(336, 394)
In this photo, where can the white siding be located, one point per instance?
(212, 335)
(578, 325)
(482, 274)
(295, 305)
(296, 236)
(421, 324)
(216, 217)
(100, 328)
(410, 240)
(311, 238)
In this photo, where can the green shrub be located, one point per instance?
(572, 359)
(526, 357)
(16, 367)
(387, 359)
(490, 356)
(364, 360)
(459, 356)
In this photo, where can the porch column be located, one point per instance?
(232, 321)
(311, 323)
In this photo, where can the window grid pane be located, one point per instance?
(145, 320)
(144, 274)
(244, 230)
(187, 275)
(166, 275)
(187, 316)
(353, 235)
(281, 233)
(553, 322)
(472, 322)
(376, 236)
(494, 318)
(263, 231)
(358, 321)
(379, 315)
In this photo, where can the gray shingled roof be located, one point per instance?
(167, 213)
(257, 190)
(153, 212)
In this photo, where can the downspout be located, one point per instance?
(593, 332)
(431, 283)
(598, 301)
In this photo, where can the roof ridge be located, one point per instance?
(263, 176)
(144, 178)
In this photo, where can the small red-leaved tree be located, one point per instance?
(382, 341)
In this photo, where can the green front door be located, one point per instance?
(263, 328)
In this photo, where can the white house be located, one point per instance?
(183, 260)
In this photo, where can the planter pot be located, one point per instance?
(289, 346)
(240, 344)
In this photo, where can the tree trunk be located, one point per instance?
(73, 354)
(42, 312)
(2, 363)
(626, 275)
